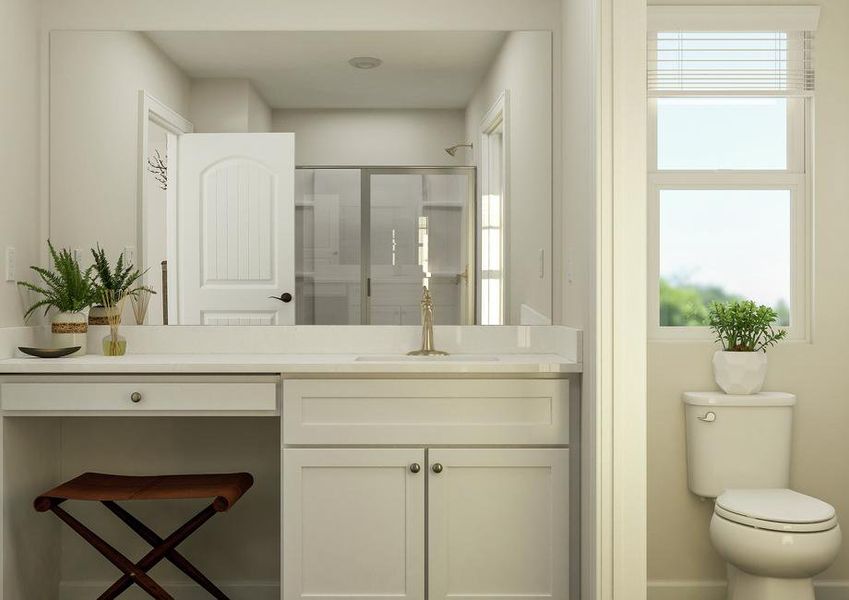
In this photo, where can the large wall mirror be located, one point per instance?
(281, 178)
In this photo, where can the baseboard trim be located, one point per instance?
(832, 590)
(255, 590)
(685, 590)
(715, 590)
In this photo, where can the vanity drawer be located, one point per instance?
(426, 411)
(140, 395)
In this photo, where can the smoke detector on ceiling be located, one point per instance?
(365, 62)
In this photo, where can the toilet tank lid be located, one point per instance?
(722, 399)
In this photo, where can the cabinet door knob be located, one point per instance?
(436, 468)
(415, 468)
(135, 397)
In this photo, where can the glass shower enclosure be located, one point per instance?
(368, 239)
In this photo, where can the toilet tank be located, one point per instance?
(738, 441)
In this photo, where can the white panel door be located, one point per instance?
(353, 524)
(236, 236)
(498, 524)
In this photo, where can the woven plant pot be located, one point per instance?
(70, 329)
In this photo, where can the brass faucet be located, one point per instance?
(427, 348)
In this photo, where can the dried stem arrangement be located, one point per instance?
(139, 301)
(157, 165)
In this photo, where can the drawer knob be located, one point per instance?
(415, 468)
(135, 397)
(436, 468)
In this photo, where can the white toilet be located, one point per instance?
(774, 539)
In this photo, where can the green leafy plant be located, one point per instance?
(119, 281)
(67, 288)
(743, 326)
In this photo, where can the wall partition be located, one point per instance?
(368, 239)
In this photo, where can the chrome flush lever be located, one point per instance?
(709, 417)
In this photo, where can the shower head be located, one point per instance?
(452, 150)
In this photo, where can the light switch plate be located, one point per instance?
(130, 255)
(11, 264)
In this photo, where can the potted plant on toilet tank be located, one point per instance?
(745, 331)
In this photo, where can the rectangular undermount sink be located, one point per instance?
(408, 358)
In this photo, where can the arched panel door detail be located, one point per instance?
(236, 229)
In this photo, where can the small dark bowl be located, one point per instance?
(49, 352)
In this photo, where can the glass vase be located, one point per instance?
(114, 345)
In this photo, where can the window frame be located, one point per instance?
(496, 121)
(797, 178)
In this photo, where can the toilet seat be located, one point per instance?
(776, 510)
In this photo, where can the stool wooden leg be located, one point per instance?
(153, 557)
(177, 559)
(132, 572)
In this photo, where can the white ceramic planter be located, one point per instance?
(739, 373)
(70, 329)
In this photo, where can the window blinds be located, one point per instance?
(703, 55)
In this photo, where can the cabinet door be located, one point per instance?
(353, 524)
(498, 524)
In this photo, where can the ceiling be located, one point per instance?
(432, 69)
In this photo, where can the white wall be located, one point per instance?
(19, 148)
(293, 15)
(523, 68)
(678, 545)
(379, 137)
(259, 113)
(579, 125)
(95, 78)
(227, 106)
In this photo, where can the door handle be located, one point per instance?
(285, 297)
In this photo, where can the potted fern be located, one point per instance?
(117, 282)
(67, 289)
(745, 331)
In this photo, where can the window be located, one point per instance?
(492, 210)
(729, 167)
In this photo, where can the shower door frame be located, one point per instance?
(472, 245)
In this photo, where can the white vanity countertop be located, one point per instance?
(292, 363)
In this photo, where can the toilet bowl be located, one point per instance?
(774, 541)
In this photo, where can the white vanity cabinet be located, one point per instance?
(368, 486)
(354, 523)
(475, 505)
(498, 523)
